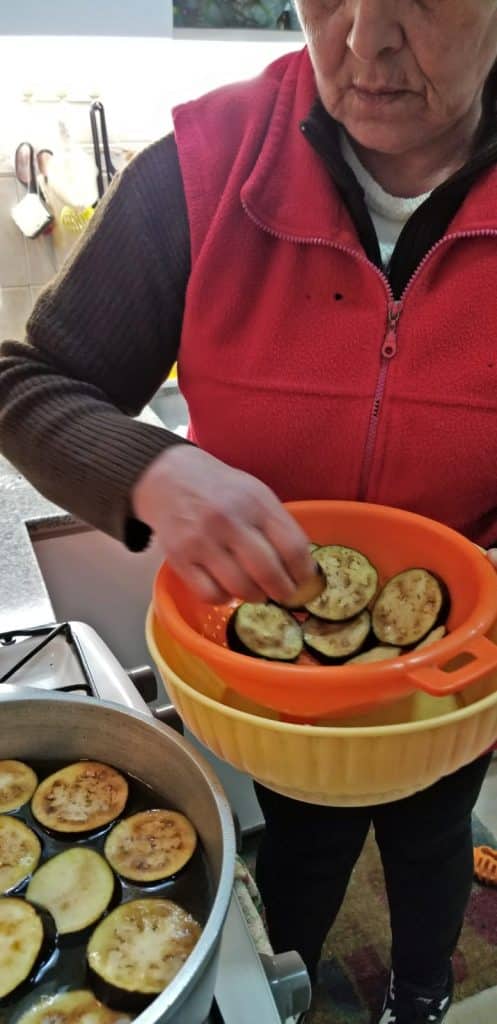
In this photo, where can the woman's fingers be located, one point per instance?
(254, 561)
(290, 542)
(263, 563)
(224, 532)
(222, 571)
(204, 586)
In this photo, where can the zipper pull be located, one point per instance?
(389, 347)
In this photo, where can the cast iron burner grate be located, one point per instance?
(46, 635)
(215, 1016)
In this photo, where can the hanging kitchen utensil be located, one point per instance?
(71, 173)
(42, 159)
(31, 214)
(75, 220)
(101, 143)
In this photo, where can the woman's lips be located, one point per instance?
(378, 97)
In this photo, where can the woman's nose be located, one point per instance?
(375, 28)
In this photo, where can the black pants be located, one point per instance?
(307, 854)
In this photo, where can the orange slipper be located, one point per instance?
(485, 861)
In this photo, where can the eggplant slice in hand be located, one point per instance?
(77, 1007)
(82, 797)
(336, 642)
(138, 949)
(75, 886)
(409, 607)
(308, 591)
(265, 631)
(150, 845)
(20, 852)
(351, 583)
(27, 941)
(17, 785)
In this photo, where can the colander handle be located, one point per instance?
(435, 681)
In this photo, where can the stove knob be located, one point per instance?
(144, 679)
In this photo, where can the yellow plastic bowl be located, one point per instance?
(338, 765)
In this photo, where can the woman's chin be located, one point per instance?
(382, 138)
(384, 124)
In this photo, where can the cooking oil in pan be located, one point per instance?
(192, 889)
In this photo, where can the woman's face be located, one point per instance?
(401, 73)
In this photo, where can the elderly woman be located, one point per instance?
(319, 248)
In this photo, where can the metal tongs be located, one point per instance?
(101, 144)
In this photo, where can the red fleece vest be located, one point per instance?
(296, 364)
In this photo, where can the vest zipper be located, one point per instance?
(395, 307)
(388, 351)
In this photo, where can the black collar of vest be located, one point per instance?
(430, 221)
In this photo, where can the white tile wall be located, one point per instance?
(13, 258)
(138, 79)
(27, 264)
(15, 307)
(40, 255)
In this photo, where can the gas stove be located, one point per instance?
(70, 657)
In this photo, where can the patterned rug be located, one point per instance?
(355, 963)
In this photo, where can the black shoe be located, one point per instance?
(406, 1005)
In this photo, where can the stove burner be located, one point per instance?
(215, 1016)
(48, 634)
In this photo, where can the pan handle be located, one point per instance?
(437, 682)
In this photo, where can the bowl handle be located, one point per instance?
(435, 681)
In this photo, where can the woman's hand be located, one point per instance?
(224, 532)
(492, 556)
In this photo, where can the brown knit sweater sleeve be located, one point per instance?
(100, 341)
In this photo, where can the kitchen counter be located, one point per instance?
(24, 599)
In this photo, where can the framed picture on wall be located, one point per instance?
(235, 15)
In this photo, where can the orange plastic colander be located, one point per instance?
(392, 540)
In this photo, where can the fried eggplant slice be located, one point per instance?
(79, 798)
(432, 638)
(335, 642)
(77, 1007)
(27, 941)
(76, 887)
(17, 785)
(20, 852)
(138, 949)
(351, 583)
(308, 591)
(378, 653)
(409, 607)
(265, 631)
(150, 845)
